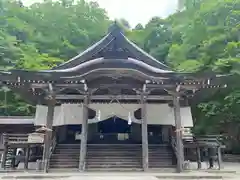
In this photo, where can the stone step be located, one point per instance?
(113, 166)
(67, 163)
(113, 169)
(111, 157)
(109, 147)
(66, 155)
(159, 158)
(136, 163)
(113, 153)
(66, 152)
(64, 149)
(159, 150)
(160, 165)
(57, 166)
(71, 145)
(89, 159)
(64, 160)
(68, 147)
(114, 150)
(161, 154)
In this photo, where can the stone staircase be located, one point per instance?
(65, 156)
(120, 157)
(161, 156)
(111, 157)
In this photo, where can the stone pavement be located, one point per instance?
(120, 176)
(231, 171)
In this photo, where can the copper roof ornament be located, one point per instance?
(43, 129)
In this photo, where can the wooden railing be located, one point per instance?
(173, 144)
(53, 146)
(15, 138)
(200, 142)
(210, 140)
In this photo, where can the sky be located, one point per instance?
(135, 11)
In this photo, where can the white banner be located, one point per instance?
(71, 114)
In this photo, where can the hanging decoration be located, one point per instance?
(129, 119)
(99, 115)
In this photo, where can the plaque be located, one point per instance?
(36, 138)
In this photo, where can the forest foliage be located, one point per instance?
(205, 36)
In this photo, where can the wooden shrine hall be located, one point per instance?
(111, 106)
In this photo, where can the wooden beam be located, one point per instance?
(179, 142)
(184, 86)
(119, 97)
(83, 144)
(144, 133)
(48, 134)
(63, 85)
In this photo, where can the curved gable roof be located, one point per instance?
(115, 40)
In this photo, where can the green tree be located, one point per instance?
(44, 35)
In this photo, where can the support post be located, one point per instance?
(14, 153)
(179, 142)
(219, 158)
(5, 151)
(26, 158)
(83, 145)
(144, 133)
(48, 134)
(199, 161)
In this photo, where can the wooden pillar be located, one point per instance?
(83, 144)
(179, 142)
(5, 151)
(48, 134)
(219, 158)
(144, 133)
(26, 158)
(199, 161)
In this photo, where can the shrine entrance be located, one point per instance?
(114, 125)
(113, 130)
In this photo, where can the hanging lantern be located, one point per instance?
(129, 119)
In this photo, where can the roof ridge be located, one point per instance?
(115, 33)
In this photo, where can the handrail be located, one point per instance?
(53, 145)
(173, 144)
(52, 148)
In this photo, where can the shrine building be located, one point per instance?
(113, 106)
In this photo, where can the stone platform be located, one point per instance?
(120, 176)
(231, 171)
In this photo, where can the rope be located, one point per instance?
(120, 104)
(180, 130)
